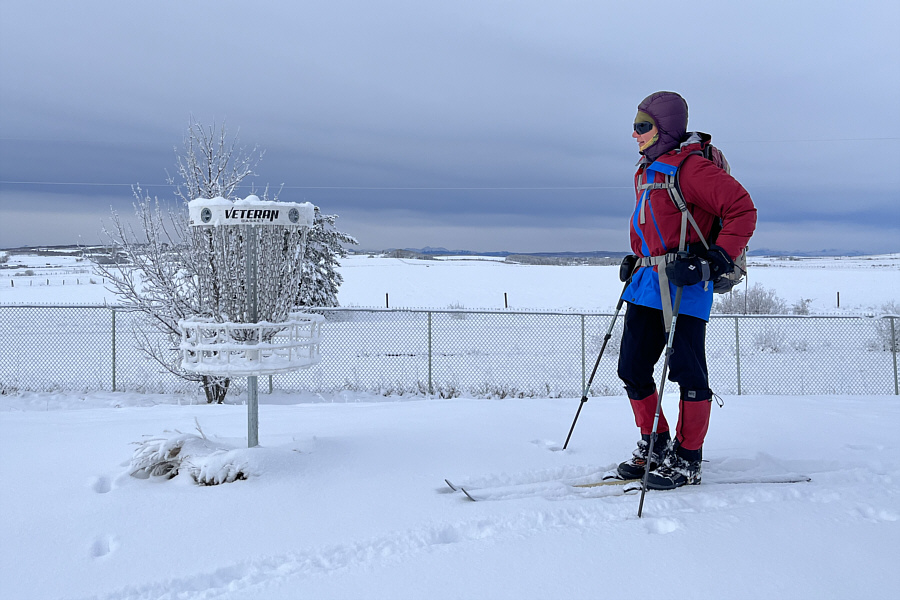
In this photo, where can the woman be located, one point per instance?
(658, 231)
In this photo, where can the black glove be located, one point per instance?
(626, 269)
(688, 269)
(719, 262)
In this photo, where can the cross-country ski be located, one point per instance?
(612, 487)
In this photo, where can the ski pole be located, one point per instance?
(584, 396)
(662, 386)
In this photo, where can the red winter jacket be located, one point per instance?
(709, 192)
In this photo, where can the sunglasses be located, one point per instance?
(643, 127)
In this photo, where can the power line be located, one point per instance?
(882, 139)
(118, 142)
(340, 187)
(552, 188)
(72, 183)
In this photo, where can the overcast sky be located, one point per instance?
(480, 125)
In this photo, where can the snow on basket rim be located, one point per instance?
(210, 347)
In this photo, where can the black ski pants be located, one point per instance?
(643, 341)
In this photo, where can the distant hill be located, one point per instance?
(809, 254)
(428, 250)
(431, 251)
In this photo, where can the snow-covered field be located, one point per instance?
(345, 496)
(863, 283)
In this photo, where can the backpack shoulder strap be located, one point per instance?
(673, 185)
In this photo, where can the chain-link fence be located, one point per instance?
(459, 352)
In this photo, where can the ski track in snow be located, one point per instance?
(230, 580)
(505, 521)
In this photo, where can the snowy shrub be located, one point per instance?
(604, 390)
(755, 301)
(205, 462)
(595, 342)
(885, 338)
(501, 391)
(455, 306)
(800, 346)
(770, 339)
(223, 466)
(801, 306)
(447, 390)
(398, 388)
(160, 457)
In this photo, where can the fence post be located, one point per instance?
(114, 349)
(894, 345)
(430, 383)
(583, 353)
(737, 352)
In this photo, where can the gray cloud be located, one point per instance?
(506, 124)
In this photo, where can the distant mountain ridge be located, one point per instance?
(440, 251)
(501, 254)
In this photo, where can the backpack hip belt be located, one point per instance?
(665, 296)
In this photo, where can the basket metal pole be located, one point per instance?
(252, 309)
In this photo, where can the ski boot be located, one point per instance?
(634, 467)
(680, 467)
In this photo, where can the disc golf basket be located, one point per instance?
(250, 349)
(252, 252)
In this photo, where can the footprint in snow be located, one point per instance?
(661, 525)
(102, 546)
(870, 513)
(101, 485)
(548, 445)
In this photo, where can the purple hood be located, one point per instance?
(670, 112)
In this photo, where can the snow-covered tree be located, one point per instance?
(158, 280)
(325, 245)
(210, 166)
(165, 277)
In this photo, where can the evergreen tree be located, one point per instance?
(325, 245)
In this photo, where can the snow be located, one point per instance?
(865, 284)
(345, 496)
(345, 499)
